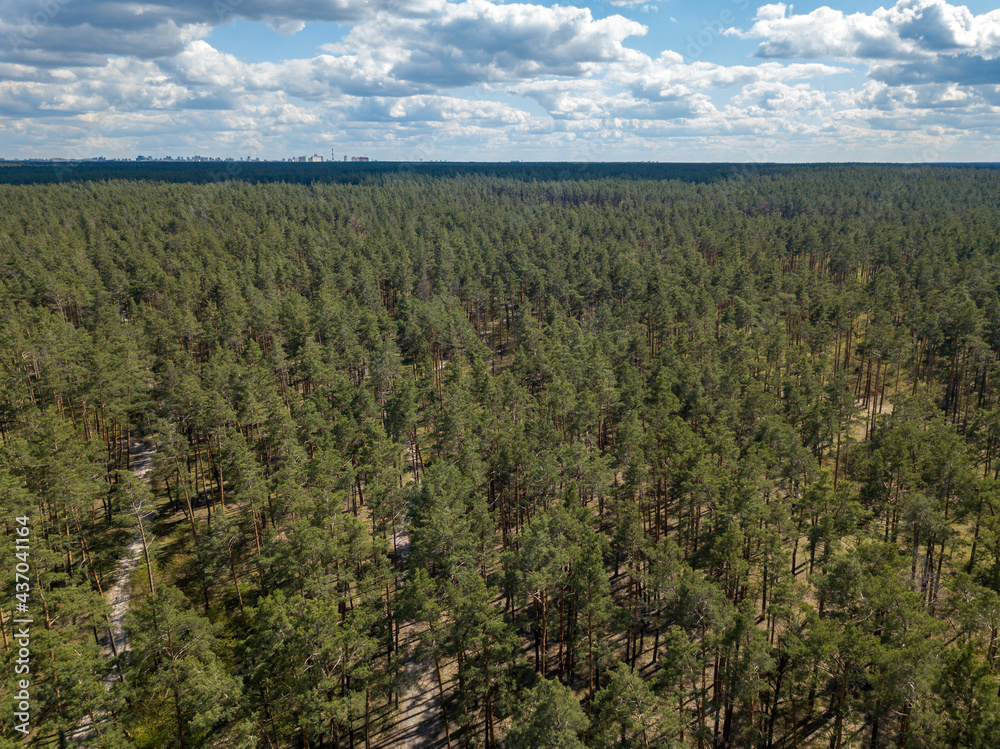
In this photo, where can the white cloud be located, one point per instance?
(479, 41)
(65, 32)
(797, 102)
(432, 79)
(440, 109)
(630, 3)
(122, 84)
(909, 30)
(669, 69)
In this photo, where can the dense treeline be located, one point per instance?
(706, 461)
(196, 172)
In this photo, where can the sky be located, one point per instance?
(486, 80)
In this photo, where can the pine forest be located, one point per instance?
(501, 455)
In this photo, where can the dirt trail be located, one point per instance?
(121, 591)
(416, 722)
(114, 640)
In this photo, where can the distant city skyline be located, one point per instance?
(411, 80)
(314, 158)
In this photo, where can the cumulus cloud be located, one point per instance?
(64, 32)
(765, 98)
(962, 69)
(632, 3)
(405, 48)
(122, 85)
(440, 109)
(669, 69)
(420, 77)
(604, 102)
(916, 34)
(470, 43)
(662, 89)
(480, 41)
(60, 32)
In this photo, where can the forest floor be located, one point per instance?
(114, 640)
(415, 721)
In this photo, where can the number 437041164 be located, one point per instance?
(21, 551)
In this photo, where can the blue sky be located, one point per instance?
(720, 80)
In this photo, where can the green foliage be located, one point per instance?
(710, 449)
(174, 665)
(627, 713)
(549, 717)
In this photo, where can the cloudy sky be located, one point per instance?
(665, 80)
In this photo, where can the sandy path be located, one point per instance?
(416, 722)
(121, 591)
(114, 640)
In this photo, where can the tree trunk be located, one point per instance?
(444, 712)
